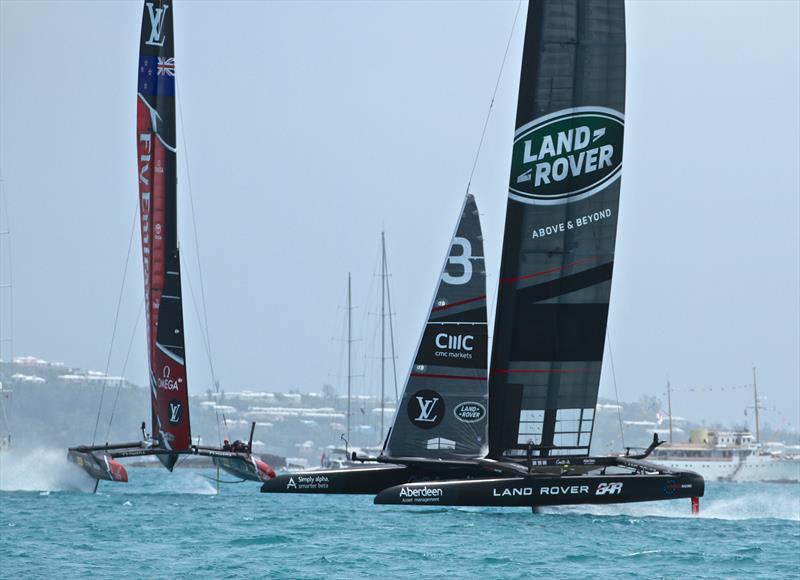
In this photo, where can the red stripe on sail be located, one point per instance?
(550, 271)
(543, 371)
(459, 303)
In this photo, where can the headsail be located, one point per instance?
(561, 221)
(155, 139)
(442, 413)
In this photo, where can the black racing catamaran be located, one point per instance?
(442, 414)
(529, 446)
(156, 154)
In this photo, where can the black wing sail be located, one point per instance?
(561, 222)
(442, 413)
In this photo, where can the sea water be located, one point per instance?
(178, 525)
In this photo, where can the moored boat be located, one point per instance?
(730, 456)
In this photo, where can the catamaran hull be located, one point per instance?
(99, 465)
(546, 491)
(246, 467)
(100, 462)
(356, 480)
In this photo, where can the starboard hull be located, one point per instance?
(546, 491)
(244, 466)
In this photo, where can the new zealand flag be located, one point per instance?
(157, 76)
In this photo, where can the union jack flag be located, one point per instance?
(166, 66)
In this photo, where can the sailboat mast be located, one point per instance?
(755, 404)
(391, 328)
(669, 409)
(349, 350)
(383, 328)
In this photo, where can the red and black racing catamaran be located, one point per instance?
(156, 154)
(520, 434)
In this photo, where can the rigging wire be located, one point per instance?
(494, 94)
(207, 348)
(6, 232)
(616, 393)
(116, 322)
(492, 299)
(5, 415)
(204, 321)
(124, 367)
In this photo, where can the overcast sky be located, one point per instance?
(310, 126)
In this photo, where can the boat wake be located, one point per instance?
(184, 482)
(733, 502)
(41, 470)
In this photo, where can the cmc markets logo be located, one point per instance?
(459, 346)
(469, 412)
(567, 155)
(426, 409)
(454, 341)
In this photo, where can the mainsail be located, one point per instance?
(155, 139)
(561, 222)
(442, 413)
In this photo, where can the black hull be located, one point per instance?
(501, 484)
(355, 480)
(535, 491)
(168, 460)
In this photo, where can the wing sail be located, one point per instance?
(156, 147)
(560, 232)
(442, 413)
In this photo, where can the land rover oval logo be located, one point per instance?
(567, 155)
(469, 412)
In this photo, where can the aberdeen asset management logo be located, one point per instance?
(567, 155)
(426, 409)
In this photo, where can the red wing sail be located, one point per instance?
(155, 138)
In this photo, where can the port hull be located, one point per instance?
(546, 491)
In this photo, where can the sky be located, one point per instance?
(309, 127)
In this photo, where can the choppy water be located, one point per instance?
(173, 525)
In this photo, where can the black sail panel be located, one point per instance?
(560, 232)
(442, 413)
